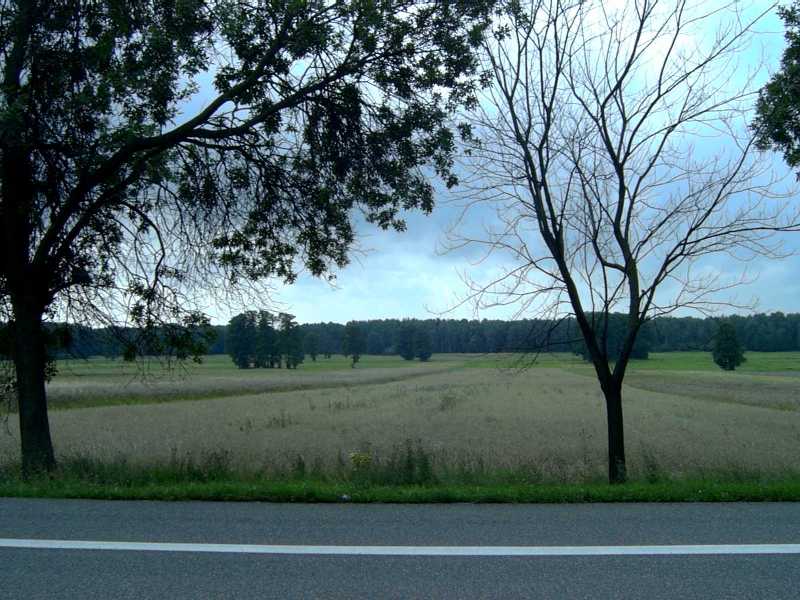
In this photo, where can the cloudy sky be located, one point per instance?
(396, 275)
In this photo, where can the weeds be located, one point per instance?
(448, 401)
(211, 478)
(349, 403)
(281, 421)
(299, 468)
(652, 470)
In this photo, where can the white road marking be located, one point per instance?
(406, 550)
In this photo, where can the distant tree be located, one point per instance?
(726, 349)
(311, 343)
(330, 340)
(374, 343)
(353, 342)
(241, 339)
(759, 332)
(291, 341)
(405, 340)
(265, 341)
(422, 344)
(615, 331)
(217, 346)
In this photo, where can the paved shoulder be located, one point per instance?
(158, 550)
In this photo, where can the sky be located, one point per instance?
(399, 275)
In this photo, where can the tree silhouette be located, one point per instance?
(154, 149)
(594, 153)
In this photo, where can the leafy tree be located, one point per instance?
(267, 352)
(353, 342)
(241, 339)
(406, 338)
(330, 339)
(311, 343)
(115, 159)
(422, 344)
(215, 347)
(726, 349)
(291, 341)
(777, 122)
(374, 343)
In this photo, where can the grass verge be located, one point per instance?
(170, 483)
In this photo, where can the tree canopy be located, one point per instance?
(777, 122)
(353, 343)
(406, 338)
(151, 147)
(726, 349)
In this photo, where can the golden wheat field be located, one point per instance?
(549, 419)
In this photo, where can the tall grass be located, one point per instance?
(408, 475)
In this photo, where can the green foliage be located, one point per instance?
(240, 342)
(353, 344)
(252, 340)
(611, 330)
(267, 348)
(422, 345)
(98, 117)
(291, 341)
(213, 478)
(409, 464)
(311, 344)
(375, 342)
(406, 338)
(128, 180)
(775, 332)
(726, 349)
(777, 122)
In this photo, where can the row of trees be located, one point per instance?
(775, 332)
(263, 340)
(252, 340)
(414, 341)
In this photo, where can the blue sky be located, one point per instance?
(396, 275)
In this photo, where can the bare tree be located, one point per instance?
(616, 154)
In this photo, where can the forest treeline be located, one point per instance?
(761, 332)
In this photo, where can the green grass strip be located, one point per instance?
(323, 491)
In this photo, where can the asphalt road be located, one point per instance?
(89, 574)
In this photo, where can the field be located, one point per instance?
(464, 414)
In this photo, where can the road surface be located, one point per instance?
(254, 550)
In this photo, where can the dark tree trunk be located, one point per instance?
(30, 361)
(617, 471)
